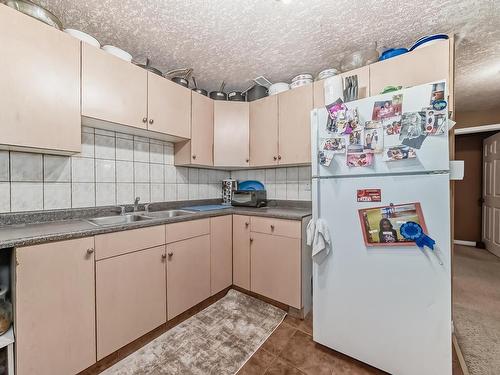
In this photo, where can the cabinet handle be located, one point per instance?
(170, 254)
(247, 224)
(144, 119)
(90, 250)
(279, 157)
(247, 160)
(272, 227)
(275, 157)
(251, 239)
(163, 256)
(151, 121)
(194, 156)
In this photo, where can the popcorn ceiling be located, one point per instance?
(237, 40)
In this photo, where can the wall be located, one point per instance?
(290, 183)
(112, 168)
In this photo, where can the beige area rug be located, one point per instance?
(476, 308)
(218, 340)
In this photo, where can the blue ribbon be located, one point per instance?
(413, 231)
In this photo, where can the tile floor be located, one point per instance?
(290, 350)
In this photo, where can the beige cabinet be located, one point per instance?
(113, 90)
(221, 253)
(319, 94)
(199, 149)
(169, 107)
(294, 125)
(264, 131)
(130, 298)
(188, 274)
(241, 251)
(40, 85)
(55, 308)
(276, 268)
(231, 134)
(423, 65)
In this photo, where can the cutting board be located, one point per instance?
(208, 207)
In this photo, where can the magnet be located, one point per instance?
(439, 105)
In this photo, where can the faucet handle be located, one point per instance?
(146, 207)
(137, 199)
(122, 210)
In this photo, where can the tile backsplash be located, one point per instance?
(114, 168)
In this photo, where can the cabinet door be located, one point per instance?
(241, 251)
(40, 85)
(112, 89)
(231, 134)
(130, 298)
(169, 107)
(426, 64)
(188, 274)
(275, 268)
(264, 131)
(363, 74)
(55, 308)
(295, 125)
(221, 253)
(319, 94)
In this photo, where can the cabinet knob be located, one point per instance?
(275, 157)
(279, 157)
(247, 160)
(151, 121)
(247, 224)
(194, 156)
(272, 227)
(170, 253)
(144, 119)
(163, 256)
(90, 250)
(251, 239)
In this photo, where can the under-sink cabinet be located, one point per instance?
(241, 251)
(221, 253)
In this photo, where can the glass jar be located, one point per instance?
(5, 311)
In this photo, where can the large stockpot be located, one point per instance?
(256, 92)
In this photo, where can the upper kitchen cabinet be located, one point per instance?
(169, 107)
(231, 134)
(113, 90)
(294, 125)
(199, 149)
(423, 65)
(319, 93)
(40, 86)
(264, 132)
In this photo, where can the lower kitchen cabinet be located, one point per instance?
(188, 273)
(241, 251)
(276, 268)
(130, 297)
(55, 307)
(221, 253)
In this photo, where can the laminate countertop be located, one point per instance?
(24, 229)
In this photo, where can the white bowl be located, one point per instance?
(117, 52)
(278, 87)
(83, 37)
(300, 82)
(327, 73)
(302, 77)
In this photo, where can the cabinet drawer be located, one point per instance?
(187, 229)
(278, 227)
(112, 244)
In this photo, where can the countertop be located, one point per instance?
(23, 229)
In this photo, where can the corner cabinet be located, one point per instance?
(221, 253)
(113, 90)
(55, 307)
(241, 251)
(231, 134)
(40, 86)
(264, 132)
(294, 125)
(199, 149)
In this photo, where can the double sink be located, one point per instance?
(136, 216)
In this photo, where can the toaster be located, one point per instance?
(249, 198)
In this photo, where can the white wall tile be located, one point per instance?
(4, 196)
(193, 191)
(109, 133)
(141, 172)
(292, 191)
(304, 191)
(26, 196)
(170, 192)
(203, 176)
(82, 169)
(56, 168)
(280, 191)
(280, 175)
(87, 129)
(156, 153)
(182, 175)
(203, 191)
(193, 176)
(141, 151)
(170, 174)
(83, 194)
(4, 166)
(271, 191)
(143, 191)
(26, 167)
(292, 174)
(124, 193)
(87, 145)
(124, 136)
(104, 147)
(124, 149)
(105, 170)
(56, 195)
(168, 151)
(105, 194)
(304, 173)
(124, 171)
(156, 173)
(260, 175)
(270, 176)
(157, 192)
(182, 192)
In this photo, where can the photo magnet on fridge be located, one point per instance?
(325, 158)
(369, 195)
(397, 153)
(386, 108)
(359, 159)
(336, 145)
(374, 137)
(413, 132)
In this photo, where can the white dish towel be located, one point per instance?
(318, 235)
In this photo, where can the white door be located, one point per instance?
(491, 193)
(388, 306)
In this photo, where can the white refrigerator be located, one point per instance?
(377, 296)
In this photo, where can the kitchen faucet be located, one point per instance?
(136, 204)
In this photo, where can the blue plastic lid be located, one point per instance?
(393, 52)
(250, 185)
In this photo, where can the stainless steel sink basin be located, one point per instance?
(119, 219)
(168, 213)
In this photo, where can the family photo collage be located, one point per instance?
(391, 132)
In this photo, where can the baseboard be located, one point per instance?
(460, 356)
(465, 243)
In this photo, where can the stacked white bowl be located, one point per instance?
(301, 80)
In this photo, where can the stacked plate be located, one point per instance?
(118, 52)
(324, 74)
(83, 37)
(301, 80)
(278, 87)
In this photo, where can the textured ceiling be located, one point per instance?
(237, 40)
